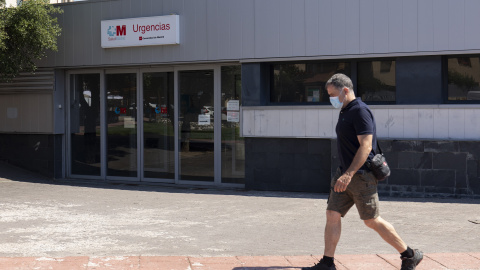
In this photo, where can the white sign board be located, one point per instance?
(145, 31)
(129, 122)
(233, 117)
(233, 105)
(203, 119)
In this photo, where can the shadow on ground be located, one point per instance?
(13, 173)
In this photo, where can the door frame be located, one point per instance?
(67, 139)
(216, 124)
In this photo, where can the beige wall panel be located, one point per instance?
(12, 107)
(26, 113)
(45, 116)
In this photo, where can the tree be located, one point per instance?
(2, 26)
(26, 32)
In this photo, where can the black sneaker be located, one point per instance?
(321, 266)
(411, 263)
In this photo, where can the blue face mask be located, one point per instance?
(336, 101)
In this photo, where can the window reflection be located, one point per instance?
(158, 134)
(304, 82)
(85, 124)
(376, 80)
(122, 126)
(464, 78)
(196, 114)
(233, 146)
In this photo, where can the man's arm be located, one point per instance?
(358, 161)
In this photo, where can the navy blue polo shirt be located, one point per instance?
(355, 119)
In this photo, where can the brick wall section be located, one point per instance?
(429, 168)
(432, 168)
(419, 168)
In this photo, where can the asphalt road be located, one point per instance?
(39, 217)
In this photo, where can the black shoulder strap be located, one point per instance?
(378, 148)
(378, 145)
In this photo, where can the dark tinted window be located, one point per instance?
(376, 80)
(463, 78)
(85, 124)
(304, 82)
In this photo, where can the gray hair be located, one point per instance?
(340, 81)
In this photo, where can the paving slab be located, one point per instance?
(474, 254)
(264, 262)
(364, 262)
(70, 263)
(302, 261)
(456, 260)
(338, 264)
(164, 262)
(114, 263)
(215, 263)
(17, 263)
(426, 264)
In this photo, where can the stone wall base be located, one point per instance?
(419, 168)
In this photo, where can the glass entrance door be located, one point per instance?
(166, 124)
(196, 125)
(121, 124)
(158, 126)
(85, 156)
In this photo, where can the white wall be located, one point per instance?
(460, 122)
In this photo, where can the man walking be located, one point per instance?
(353, 183)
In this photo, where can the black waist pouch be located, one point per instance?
(378, 165)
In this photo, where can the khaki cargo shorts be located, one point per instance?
(362, 191)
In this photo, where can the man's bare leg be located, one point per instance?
(410, 258)
(387, 232)
(333, 230)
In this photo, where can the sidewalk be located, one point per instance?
(89, 225)
(436, 261)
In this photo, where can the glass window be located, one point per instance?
(158, 148)
(196, 112)
(122, 124)
(233, 145)
(376, 80)
(85, 124)
(463, 78)
(304, 82)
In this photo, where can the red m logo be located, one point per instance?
(121, 30)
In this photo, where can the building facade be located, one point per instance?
(237, 98)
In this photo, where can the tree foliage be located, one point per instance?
(2, 26)
(26, 32)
